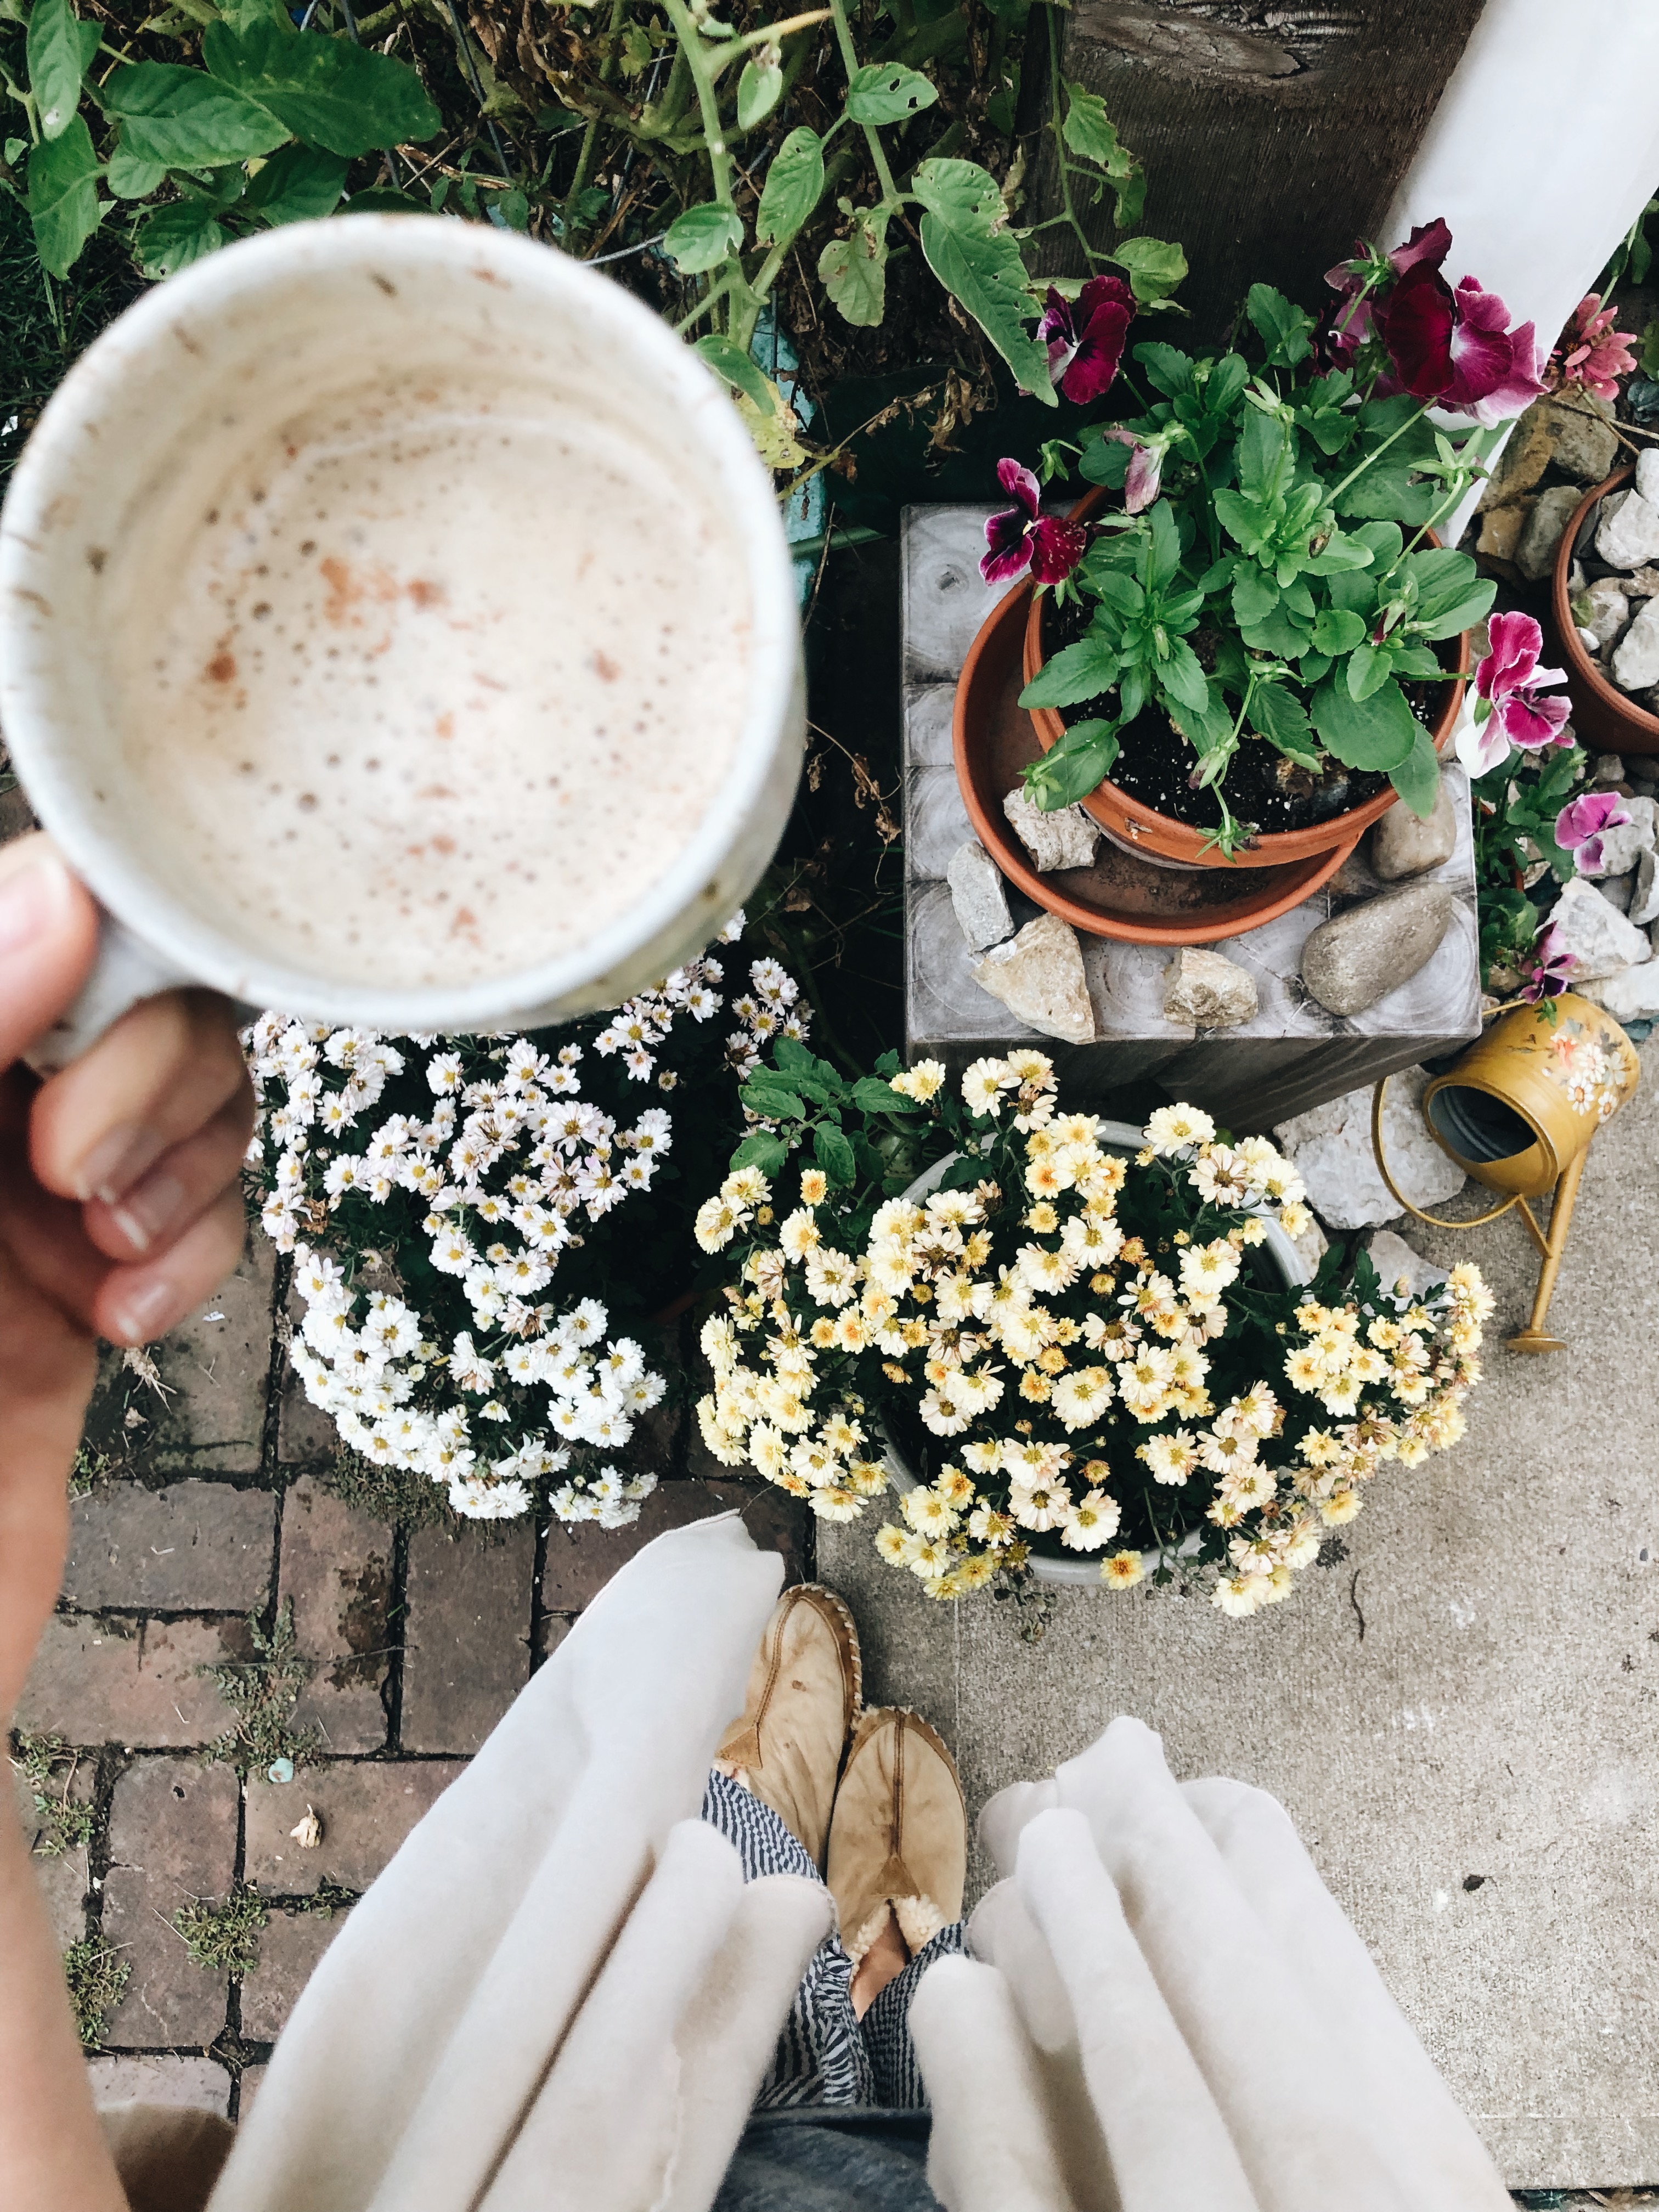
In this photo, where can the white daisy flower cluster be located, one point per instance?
(1089, 1338)
(768, 1008)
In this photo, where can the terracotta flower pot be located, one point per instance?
(1131, 820)
(1604, 717)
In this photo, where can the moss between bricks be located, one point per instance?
(47, 1765)
(263, 1692)
(223, 1938)
(97, 1980)
(390, 1493)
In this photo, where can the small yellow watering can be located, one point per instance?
(1517, 1111)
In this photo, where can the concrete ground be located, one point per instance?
(1459, 1712)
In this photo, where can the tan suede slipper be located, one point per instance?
(804, 1687)
(900, 1832)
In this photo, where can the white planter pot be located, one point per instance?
(1084, 1573)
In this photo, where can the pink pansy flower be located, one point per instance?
(1456, 347)
(1506, 710)
(1085, 337)
(1597, 355)
(1049, 545)
(1551, 965)
(1581, 824)
(1140, 486)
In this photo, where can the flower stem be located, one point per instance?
(889, 191)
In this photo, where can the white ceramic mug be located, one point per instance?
(244, 334)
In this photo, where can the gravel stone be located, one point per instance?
(1331, 1147)
(1644, 906)
(1601, 942)
(1534, 554)
(1635, 659)
(1359, 956)
(1402, 846)
(978, 896)
(1393, 1258)
(1209, 991)
(1065, 839)
(1038, 976)
(1627, 535)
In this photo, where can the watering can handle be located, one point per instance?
(1436, 1220)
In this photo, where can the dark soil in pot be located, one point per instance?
(1262, 786)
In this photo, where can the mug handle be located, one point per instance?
(124, 971)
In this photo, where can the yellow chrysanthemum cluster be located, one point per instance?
(1045, 1344)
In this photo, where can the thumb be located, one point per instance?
(48, 936)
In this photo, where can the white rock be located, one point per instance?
(1601, 940)
(1065, 839)
(1635, 659)
(1609, 612)
(1622, 847)
(1647, 475)
(1631, 997)
(1208, 990)
(1038, 976)
(1394, 1260)
(1628, 533)
(1331, 1146)
(979, 895)
(1621, 890)
(1644, 892)
(1589, 640)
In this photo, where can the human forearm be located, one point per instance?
(51, 2148)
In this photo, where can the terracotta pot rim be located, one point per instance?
(1178, 841)
(1619, 704)
(1011, 858)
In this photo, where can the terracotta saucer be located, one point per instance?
(1121, 895)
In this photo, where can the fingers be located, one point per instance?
(48, 934)
(179, 1189)
(135, 1303)
(154, 1080)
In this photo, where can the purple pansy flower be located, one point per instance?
(1025, 538)
(1140, 485)
(1506, 710)
(1581, 824)
(1551, 965)
(1085, 337)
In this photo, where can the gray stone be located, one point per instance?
(978, 896)
(1038, 976)
(1598, 937)
(1618, 890)
(1635, 659)
(1361, 955)
(1628, 533)
(1396, 1262)
(1644, 906)
(1647, 475)
(1534, 554)
(1606, 769)
(1609, 611)
(1065, 839)
(291, 1946)
(215, 1365)
(1641, 583)
(194, 2084)
(1586, 445)
(128, 1682)
(1501, 528)
(1208, 990)
(1643, 770)
(1632, 996)
(172, 1841)
(1333, 1153)
(1403, 846)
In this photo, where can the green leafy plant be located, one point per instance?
(224, 1939)
(263, 133)
(1279, 542)
(263, 1692)
(97, 1977)
(47, 1765)
(1516, 807)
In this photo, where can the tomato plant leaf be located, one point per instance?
(884, 92)
(759, 89)
(793, 188)
(732, 363)
(853, 271)
(175, 235)
(347, 99)
(297, 184)
(702, 237)
(58, 50)
(184, 119)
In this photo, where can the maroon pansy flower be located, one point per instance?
(1025, 538)
(1456, 347)
(1085, 337)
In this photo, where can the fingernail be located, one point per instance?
(145, 1311)
(146, 1211)
(34, 890)
(116, 1162)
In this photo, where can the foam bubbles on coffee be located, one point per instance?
(434, 691)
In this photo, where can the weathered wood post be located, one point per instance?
(1272, 135)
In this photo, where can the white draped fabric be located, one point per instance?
(560, 1997)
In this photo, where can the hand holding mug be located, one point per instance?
(120, 1207)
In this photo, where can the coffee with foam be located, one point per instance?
(432, 684)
